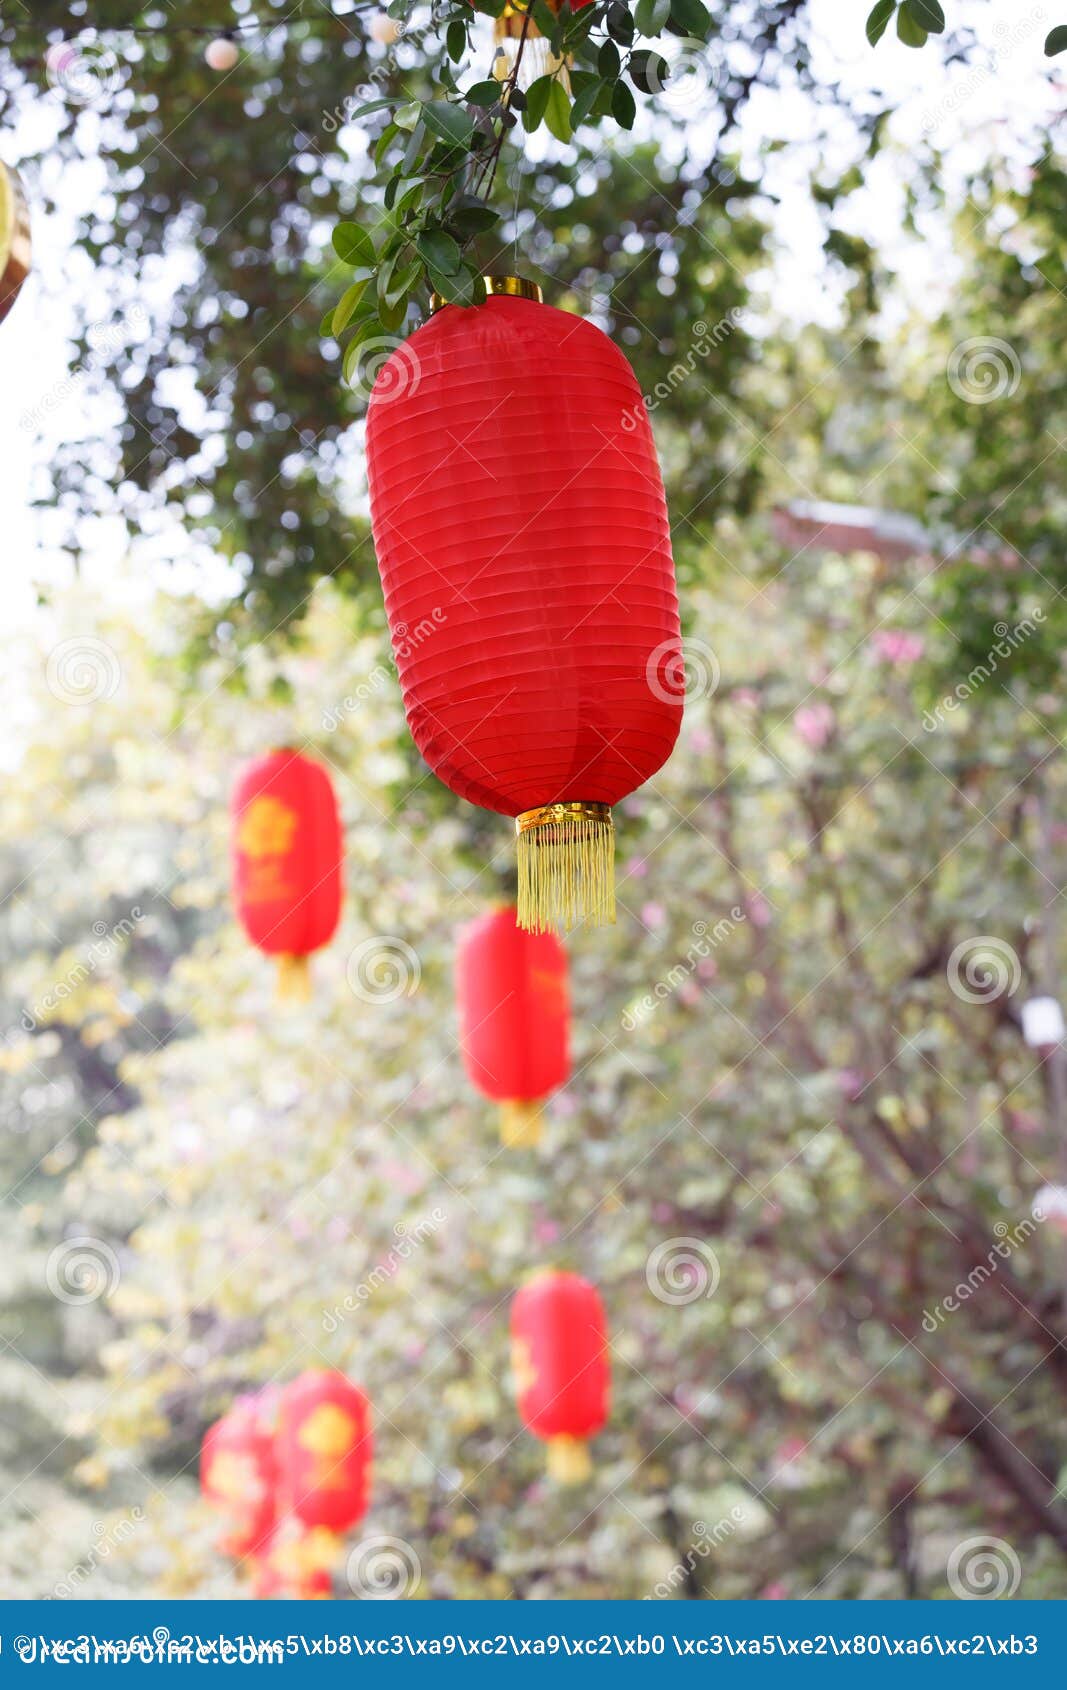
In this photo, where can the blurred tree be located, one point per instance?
(799, 1154)
(210, 262)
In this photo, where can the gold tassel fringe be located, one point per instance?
(294, 979)
(566, 859)
(520, 1124)
(569, 1461)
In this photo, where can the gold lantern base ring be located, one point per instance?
(520, 1124)
(566, 860)
(294, 979)
(569, 1461)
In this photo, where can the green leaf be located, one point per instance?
(651, 15)
(483, 93)
(623, 106)
(406, 117)
(401, 283)
(536, 103)
(344, 310)
(463, 287)
(392, 316)
(408, 193)
(367, 329)
(585, 97)
(620, 23)
(692, 17)
(927, 14)
(369, 106)
(456, 40)
(450, 123)
(558, 112)
(352, 244)
(439, 251)
(649, 72)
(1056, 40)
(608, 62)
(911, 33)
(878, 19)
(473, 219)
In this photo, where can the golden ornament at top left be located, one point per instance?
(14, 239)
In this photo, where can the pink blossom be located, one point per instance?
(689, 994)
(662, 1212)
(635, 869)
(897, 646)
(653, 915)
(747, 697)
(401, 1176)
(1022, 1122)
(758, 909)
(773, 1592)
(814, 723)
(545, 1231)
(850, 1083)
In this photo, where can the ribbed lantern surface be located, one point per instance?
(514, 1018)
(521, 532)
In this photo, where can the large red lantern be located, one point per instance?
(238, 1477)
(325, 1446)
(559, 1358)
(521, 531)
(287, 853)
(514, 1018)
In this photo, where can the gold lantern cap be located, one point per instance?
(516, 287)
(566, 863)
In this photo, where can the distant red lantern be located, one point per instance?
(325, 1447)
(521, 530)
(287, 854)
(238, 1477)
(559, 1358)
(296, 1562)
(514, 1018)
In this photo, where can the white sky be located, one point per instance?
(970, 111)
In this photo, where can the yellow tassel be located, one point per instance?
(294, 979)
(566, 860)
(569, 1461)
(520, 1124)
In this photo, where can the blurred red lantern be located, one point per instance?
(325, 1445)
(287, 853)
(238, 1477)
(522, 539)
(559, 1358)
(296, 1562)
(514, 1018)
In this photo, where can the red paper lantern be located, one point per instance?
(514, 1018)
(238, 1477)
(287, 853)
(559, 1358)
(522, 539)
(325, 1445)
(296, 1562)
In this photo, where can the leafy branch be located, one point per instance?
(436, 159)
